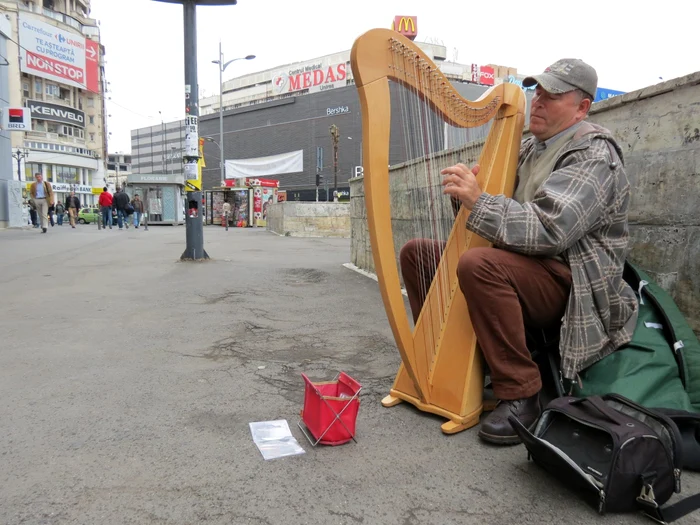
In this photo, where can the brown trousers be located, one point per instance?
(505, 292)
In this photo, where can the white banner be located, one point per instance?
(57, 54)
(292, 162)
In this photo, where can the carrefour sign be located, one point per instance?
(57, 54)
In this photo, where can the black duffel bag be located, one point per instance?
(616, 454)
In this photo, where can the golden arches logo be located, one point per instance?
(406, 25)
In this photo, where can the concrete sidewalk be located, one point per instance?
(128, 379)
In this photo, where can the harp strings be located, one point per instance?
(429, 145)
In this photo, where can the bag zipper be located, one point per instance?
(675, 343)
(674, 433)
(602, 491)
(572, 463)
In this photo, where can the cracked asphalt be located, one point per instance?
(128, 380)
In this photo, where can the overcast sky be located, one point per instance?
(629, 45)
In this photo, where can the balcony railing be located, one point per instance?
(61, 17)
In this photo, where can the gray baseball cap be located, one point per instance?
(566, 75)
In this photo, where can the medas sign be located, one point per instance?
(56, 113)
(315, 76)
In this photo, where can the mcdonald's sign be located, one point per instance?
(406, 25)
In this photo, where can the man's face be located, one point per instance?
(551, 113)
(39, 177)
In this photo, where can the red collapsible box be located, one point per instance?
(330, 409)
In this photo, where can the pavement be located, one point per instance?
(128, 380)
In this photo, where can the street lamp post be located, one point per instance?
(194, 227)
(19, 155)
(222, 67)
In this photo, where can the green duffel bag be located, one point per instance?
(660, 367)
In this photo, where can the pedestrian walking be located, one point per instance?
(42, 193)
(32, 213)
(227, 212)
(137, 203)
(60, 210)
(120, 203)
(105, 202)
(73, 206)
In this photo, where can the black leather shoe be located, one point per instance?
(497, 429)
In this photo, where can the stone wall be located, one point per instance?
(658, 130)
(309, 219)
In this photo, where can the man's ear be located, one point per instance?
(585, 105)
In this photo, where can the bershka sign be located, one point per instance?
(56, 113)
(337, 111)
(16, 119)
(57, 54)
(314, 76)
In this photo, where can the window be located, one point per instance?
(91, 102)
(53, 90)
(80, 102)
(37, 87)
(25, 89)
(65, 94)
(30, 168)
(92, 137)
(92, 120)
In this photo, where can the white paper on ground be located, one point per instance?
(274, 439)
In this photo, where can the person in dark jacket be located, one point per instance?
(121, 201)
(73, 207)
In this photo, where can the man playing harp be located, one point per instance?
(559, 247)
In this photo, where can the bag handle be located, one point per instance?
(602, 407)
(669, 513)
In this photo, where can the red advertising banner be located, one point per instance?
(487, 76)
(92, 67)
(46, 65)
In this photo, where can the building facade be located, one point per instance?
(59, 79)
(118, 170)
(158, 149)
(291, 108)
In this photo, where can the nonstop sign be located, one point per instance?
(56, 113)
(57, 54)
(314, 76)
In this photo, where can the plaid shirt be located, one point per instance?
(579, 212)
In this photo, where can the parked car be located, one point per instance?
(90, 215)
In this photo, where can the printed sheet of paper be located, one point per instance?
(274, 439)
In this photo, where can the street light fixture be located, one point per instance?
(194, 231)
(19, 155)
(222, 67)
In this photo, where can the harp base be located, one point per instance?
(456, 422)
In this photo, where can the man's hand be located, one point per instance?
(460, 182)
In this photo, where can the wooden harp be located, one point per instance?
(441, 369)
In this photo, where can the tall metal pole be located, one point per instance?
(193, 221)
(221, 112)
